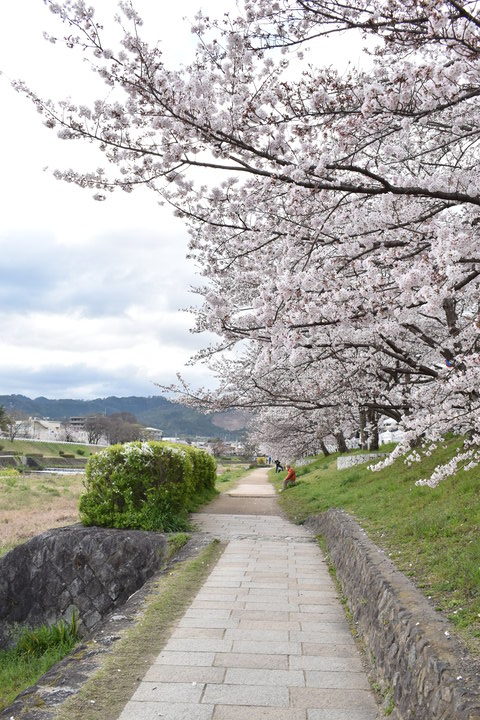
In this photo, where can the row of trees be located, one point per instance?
(335, 215)
(115, 428)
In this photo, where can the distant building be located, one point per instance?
(390, 431)
(77, 422)
(40, 429)
(153, 433)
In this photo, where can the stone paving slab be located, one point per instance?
(264, 639)
(333, 699)
(226, 527)
(166, 711)
(252, 490)
(229, 712)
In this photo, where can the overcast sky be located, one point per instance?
(91, 294)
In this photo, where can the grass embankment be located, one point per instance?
(106, 692)
(432, 535)
(30, 504)
(50, 449)
(34, 653)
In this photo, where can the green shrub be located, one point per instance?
(68, 455)
(61, 452)
(80, 451)
(204, 469)
(145, 485)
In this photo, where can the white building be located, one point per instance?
(40, 429)
(153, 433)
(390, 431)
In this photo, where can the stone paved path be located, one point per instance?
(265, 637)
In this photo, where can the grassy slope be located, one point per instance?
(24, 447)
(432, 535)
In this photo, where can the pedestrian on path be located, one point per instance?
(278, 466)
(291, 478)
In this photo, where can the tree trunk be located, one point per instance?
(323, 448)
(363, 429)
(341, 444)
(372, 430)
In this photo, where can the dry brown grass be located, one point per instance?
(30, 504)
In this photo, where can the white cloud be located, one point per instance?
(90, 293)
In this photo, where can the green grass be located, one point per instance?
(175, 543)
(432, 535)
(201, 497)
(25, 447)
(34, 653)
(229, 477)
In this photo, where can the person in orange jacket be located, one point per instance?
(291, 477)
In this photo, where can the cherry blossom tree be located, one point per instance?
(334, 215)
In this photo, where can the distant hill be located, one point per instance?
(154, 411)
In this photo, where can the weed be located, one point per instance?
(50, 490)
(350, 478)
(175, 542)
(34, 653)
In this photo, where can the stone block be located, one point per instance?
(251, 660)
(166, 711)
(184, 673)
(168, 657)
(239, 712)
(260, 676)
(176, 692)
(266, 647)
(246, 695)
(333, 699)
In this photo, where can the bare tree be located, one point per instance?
(16, 424)
(68, 431)
(96, 428)
(3, 419)
(123, 427)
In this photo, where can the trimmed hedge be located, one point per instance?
(146, 485)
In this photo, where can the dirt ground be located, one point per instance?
(30, 504)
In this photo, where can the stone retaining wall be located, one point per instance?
(348, 461)
(428, 673)
(87, 570)
(7, 461)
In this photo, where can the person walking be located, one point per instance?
(278, 466)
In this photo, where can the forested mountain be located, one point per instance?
(154, 411)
